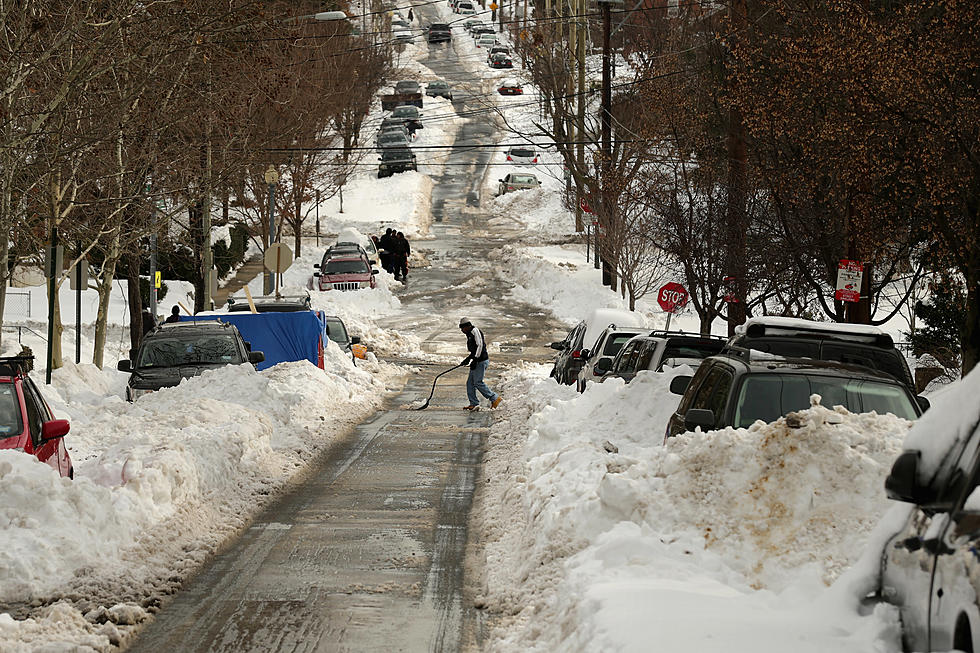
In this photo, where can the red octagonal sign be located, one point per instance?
(672, 297)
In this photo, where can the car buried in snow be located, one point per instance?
(176, 351)
(345, 273)
(738, 390)
(510, 87)
(501, 60)
(515, 181)
(26, 422)
(583, 337)
(656, 351)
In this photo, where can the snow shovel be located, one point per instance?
(434, 381)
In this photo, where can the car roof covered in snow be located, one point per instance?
(600, 318)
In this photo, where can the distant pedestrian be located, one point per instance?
(174, 315)
(411, 16)
(478, 360)
(402, 251)
(387, 244)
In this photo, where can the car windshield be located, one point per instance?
(337, 332)
(522, 152)
(346, 267)
(10, 420)
(393, 155)
(438, 85)
(770, 396)
(523, 179)
(615, 342)
(391, 136)
(405, 112)
(218, 349)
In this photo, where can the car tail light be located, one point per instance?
(511, 188)
(576, 354)
(508, 158)
(535, 160)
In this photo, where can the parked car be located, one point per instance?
(409, 115)
(394, 160)
(510, 87)
(470, 23)
(516, 181)
(522, 155)
(337, 332)
(271, 304)
(173, 352)
(465, 8)
(583, 336)
(400, 23)
(480, 29)
(735, 390)
(393, 138)
(351, 236)
(345, 273)
(657, 351)
(486, 40)
(344, 250)
(439, 88)
(398, 128)
(439, 33)
(404, 35)
(929, 566)
(501, 60)
(497, 49)
(407, 86)
(607, 345)
(857, 344)
(26, 421)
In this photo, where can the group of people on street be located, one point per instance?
(394, 250)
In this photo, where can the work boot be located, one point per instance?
(496, 402)
(470, 407)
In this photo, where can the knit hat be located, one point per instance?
(464, 321)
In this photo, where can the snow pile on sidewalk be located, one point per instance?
(160, 483)
(720, 541)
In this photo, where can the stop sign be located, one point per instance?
(672, 297)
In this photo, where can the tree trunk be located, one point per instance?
(57, 353)
(105, 290)
(298, 224)
(970, 340)
(135, 301)
(4, 277)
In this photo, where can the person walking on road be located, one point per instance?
(411, 16)
(478, 360)
(402, 250)
(387, 244)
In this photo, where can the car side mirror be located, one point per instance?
(316, 266)
(585, 353)
(602, 366)
(924, 403)
(248, 345)
(355, 340)
(902, 483)
(125, 365)
(678, 384)
(54, 429)
(560, 346)
(255, 357)
(501, 180)
(316, 275)
(373, 271)
(703, 417)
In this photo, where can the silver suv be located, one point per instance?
(658, 350)
(610, 341)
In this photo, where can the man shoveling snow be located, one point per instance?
(478, 360)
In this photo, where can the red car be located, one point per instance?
(351, 272)
(510, 87)
(26, 422)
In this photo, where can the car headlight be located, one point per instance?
(136, 393)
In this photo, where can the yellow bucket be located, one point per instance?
(359, 351)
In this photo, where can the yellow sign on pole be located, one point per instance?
(158, 280)
(493, 5)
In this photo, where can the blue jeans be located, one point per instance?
(475, 382)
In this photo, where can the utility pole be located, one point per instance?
(737, 225)
(78, 300)
(605, 116)
(582, 94)
(53, 268)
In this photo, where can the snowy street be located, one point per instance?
(322, 504)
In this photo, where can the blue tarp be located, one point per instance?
(280, 336)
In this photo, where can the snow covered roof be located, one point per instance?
(796, 324)
(603, 317)
(953, 417)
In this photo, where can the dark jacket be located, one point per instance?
(400, 247)
(477, 346)
(385, 242)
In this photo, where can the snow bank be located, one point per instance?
(717, 541)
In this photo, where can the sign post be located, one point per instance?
(672, 297)
(278, 258)
(849, 277)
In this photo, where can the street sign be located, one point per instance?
(278, 258)
(73, 281)
(849, 276)
(584, 203)
(158, 280)
(493, 6)
(672, 297)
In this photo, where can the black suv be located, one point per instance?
(395, 160)
(173, 352)
(854, 344)
(736, 390)
(440, 33)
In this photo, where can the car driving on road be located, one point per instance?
(173, 352)
(439, 33)
(439, 88)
